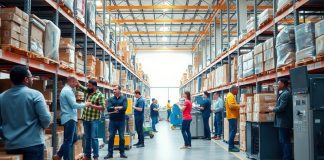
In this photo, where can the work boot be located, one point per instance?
(109, 156)
(234, 150)
(123, 156)
(140, 146)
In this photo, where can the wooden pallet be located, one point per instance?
(13, 49)
(80, 22)
(269, 71)
(79, 73)
(66, 9)
(284, 7)
(79, 156)
(319, 57)
(305, 61)
(65, 66)
(249, 34)
(92, 33)
(266, 22)
(249, 77)
(286, 67)
(40, 58)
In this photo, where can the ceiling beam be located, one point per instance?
(216, 7)
(163, 49)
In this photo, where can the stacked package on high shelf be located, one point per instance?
(248, 67)
(67, 51)
(258, 59)
(107, 36)
(305, 41)
(249, 108)
(242, 36)
(233, 43)
(68, 4)
(37, 34)
(319, 35)
(285, 46)
(99, 32)
(196, 63)
(91, 66)
(250, 25)
(268, 52)
(79, 63)
(91, 15)
(240, 67)
(264, 17)
(123, 79)
(52, 40)
(189, 71)
(204, 83)
(260, 109)
(99, 69)
(221, 75)
(234, 68)
(80, 10)
(283, 4)
(14, 27)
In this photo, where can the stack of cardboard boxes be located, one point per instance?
(67, 52)
(249, 108)
(79, 63)
(269, 62)
(37, 35)
(14, 27)
(99, 69)
(260, 108)
(234, 69)
(285, 46)
(221, 75)
(248, 65)
(305, 41)
(258, 59)
(48, 149)
(196, 63)
(243, 118)
(91, 66)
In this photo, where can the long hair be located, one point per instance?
(188, 95)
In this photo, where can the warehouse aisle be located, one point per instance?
(166, 143)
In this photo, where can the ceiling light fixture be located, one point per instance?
(98, 3)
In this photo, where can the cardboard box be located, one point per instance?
(78, 149)
(320, 45)
(226, 129)
(23, 46)
(99, 68)
(10, 25)
(23, 38)
(265, 98)
(249, 117)
(48, 95)
(11, 17)
(242, 110)
(263, 117)
(39, 85)
(25, 16)
(24, 31)
(262, 107)
(243, 98)
(258, 49)
(48, 141)
(37, 33)
(14, 10)
(48, 153)
(243, 118)
(269, 64)
(10, 41)
(10, 34)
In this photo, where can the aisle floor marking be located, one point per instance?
(222, 146)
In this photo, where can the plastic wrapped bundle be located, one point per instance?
(80, 10)
(258, 63)
(319, 29)
(283, 3)
(68, 4)
(286, 35)
(268, 54)
(240, 67)
(250, 25)
(305, 41)
(107, 37)
(320, 45)
(285, 54)
(258, 48)
(99, 33)
(258, 68)
(269, 64)
(248, 69)
(52, 40)
(265, 16)
(268, 44)
(248, 56)
(242, 36)
(91, 16)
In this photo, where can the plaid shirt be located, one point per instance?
(97, 98)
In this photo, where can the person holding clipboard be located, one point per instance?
(117, 106)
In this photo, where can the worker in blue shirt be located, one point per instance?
(23, 116)
(206, 110)
(139, 118)
(154, 114)
(69, 119)
(218, 107)
(117, 106)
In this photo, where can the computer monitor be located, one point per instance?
(299, 80)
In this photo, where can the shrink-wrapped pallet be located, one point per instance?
(319, 28)
(250, 25)
(99, 33)
(240, 67)
(258, 48)
(80, 10)
(248, 68)
(269, 64)
(285, 54)
(283, 4)
(268, 44)
(320, 45)
(286, 35)
(52, 40)
(69, 4)
(91, 16)
(305, 41)
(37, 35)
(265, 16)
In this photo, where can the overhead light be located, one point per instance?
(117, 29)
(164, 39)
(164, 29)
(165, 3)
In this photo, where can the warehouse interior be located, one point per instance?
(164, 48)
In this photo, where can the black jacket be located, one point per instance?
(284, 110)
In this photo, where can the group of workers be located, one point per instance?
(24, 115)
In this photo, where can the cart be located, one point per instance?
(148, 131)
(176, 116)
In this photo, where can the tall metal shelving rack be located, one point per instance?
(82, 37)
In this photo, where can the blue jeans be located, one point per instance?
(70, 137)
(139, 120)
(154, 122)
(284, 140)
(91, 138)
(30, 153)
(232, 132)
(169, 113)
(218, 123)
(185, 130)
(206, 126)
(115, 126)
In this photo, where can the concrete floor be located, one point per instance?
(166, 146)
